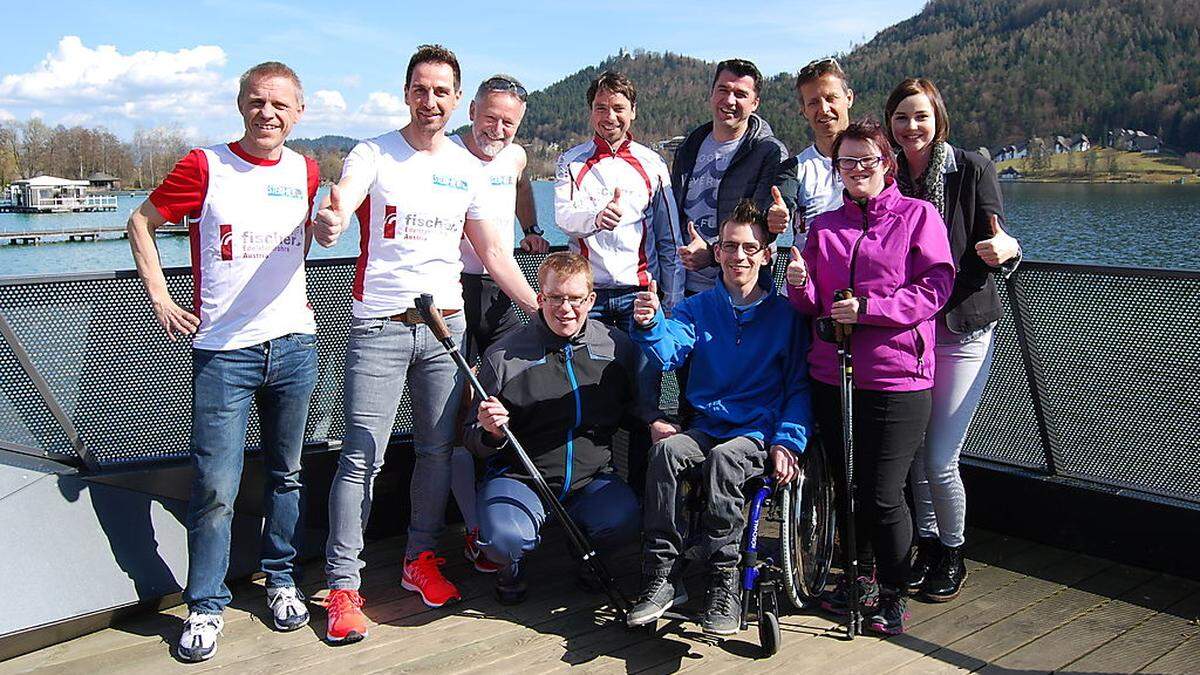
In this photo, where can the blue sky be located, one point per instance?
(128, 65)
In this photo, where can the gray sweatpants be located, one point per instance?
(722, 466)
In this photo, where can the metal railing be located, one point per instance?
(1092, 379)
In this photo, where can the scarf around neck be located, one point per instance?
(930, 185)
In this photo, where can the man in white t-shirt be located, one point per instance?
(415, 193)
(825, 96)
(254, 339)
(496, 113)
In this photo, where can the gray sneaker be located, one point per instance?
(287, 607)
(662, 592)
(723, 603)
(199, 639)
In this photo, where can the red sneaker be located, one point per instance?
(471, 552)
(423, 576)
(346, 622)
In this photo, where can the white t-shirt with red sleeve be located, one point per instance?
(410, 222)
(247, 231)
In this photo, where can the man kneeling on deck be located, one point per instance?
(749, 388)
(563, 385)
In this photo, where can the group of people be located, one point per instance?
(668, 269)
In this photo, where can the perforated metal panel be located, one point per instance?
(1117, 351)
(1119, 354)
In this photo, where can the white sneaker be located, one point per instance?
(287, 607)
(199, 639)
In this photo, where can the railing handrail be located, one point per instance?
(1156, 272)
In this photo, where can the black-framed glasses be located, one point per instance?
(505, 85)
(748, 247)
(574, 301)
(850, 163)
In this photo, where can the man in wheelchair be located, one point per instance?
(749, 389)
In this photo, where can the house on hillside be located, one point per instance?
(1061, 145)
(1135, 140)
(669, 145)
(103, 182)
(1010, 174)
(1011, 151)
(1150, 145)
(1080, 143)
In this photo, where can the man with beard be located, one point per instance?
(496, 114)
(419, 193)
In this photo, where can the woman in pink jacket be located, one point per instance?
(892, 253)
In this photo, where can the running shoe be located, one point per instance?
(472, 552)
(423, 576)
(346, 621)
(198, 642)
(287, 607)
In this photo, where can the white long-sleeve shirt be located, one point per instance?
(644, 245)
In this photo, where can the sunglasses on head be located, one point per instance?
(503, 84)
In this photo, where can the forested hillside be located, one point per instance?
(1009, 69)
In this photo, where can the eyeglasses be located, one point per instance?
(748, 247)
(849, 163)
(819, 67)
(574, 301)
(506, 85)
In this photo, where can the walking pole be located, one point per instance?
(846, 364)
(579, 540)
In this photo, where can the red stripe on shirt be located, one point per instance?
(626, 155)
(183, 190)
(314, 183)
(598, 155)
(364, 246)
(194, 246)
(236, 148)
(643, 268)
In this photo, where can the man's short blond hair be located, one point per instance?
(565, 264)
(270, 69)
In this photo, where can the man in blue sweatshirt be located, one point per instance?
(749, 389)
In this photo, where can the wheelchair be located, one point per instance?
(799, 566)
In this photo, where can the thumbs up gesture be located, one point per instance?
(330, 221)
(796, 273)
(610, 216)
(696, 255)
(645, 305)
(778, 215)
(999, 248)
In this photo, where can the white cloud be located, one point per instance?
(146, 85)
(6, 116)
(328, 113)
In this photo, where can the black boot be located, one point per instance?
(946, 578)
(723, 603)
(928, 551)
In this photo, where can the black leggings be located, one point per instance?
(889, 427)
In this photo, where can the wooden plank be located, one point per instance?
(994, 640)
(1071, 641)
(1149, 640)
(1182, 660)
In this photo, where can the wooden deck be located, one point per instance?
(1026, 608)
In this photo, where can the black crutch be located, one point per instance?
(846, 365)
(839, 334)
(579, 540)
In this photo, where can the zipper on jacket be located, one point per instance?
(854, 250)
(920, 343)
(567, 352)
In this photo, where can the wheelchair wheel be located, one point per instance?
(807, 535)
(768, 633)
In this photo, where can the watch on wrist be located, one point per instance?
(536, 229)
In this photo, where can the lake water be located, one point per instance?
(1127, 225)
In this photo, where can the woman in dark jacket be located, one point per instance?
(963, 187)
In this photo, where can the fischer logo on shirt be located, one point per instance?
(226, 241)
(442, 180)
(502, 180)
(286, 191)
(389, 222)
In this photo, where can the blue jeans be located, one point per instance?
(511, 515)
(383, 357)
(280, 375)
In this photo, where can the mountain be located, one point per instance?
(1008, 69)
(342, 144)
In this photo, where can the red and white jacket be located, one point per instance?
(248, 221)
(644, 245)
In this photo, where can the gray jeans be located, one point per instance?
(381, 358)
(960, 375)
(722, 466)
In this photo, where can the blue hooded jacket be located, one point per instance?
(749, 373)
